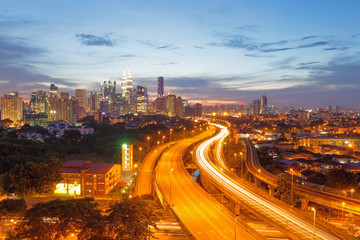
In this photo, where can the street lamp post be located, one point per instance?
(342, 212)
(170, 186)
(352, 192)
(241, 163)
(139, 150)
(236, 216)
(222, 185)
(148, 147)
(292, 187)
(314, 210)
(170, 133)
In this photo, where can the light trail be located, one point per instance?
(284, 218)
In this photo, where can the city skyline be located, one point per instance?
(301, 54)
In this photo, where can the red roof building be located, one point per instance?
(87, 178)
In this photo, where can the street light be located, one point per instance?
(170, 134)
(314, 210)
(222, 185)
(148, 139)
(241, 159)
(352, 192)
(139, 150)
(342, 211)
(170, 186)
(236, 216)
(292, 187)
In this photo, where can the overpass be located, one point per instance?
(305, 193)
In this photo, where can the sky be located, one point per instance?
(297, 53)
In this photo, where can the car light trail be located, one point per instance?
(273, 212)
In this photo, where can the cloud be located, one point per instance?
(157, 46)
(276, 49)
(355, 35)
(314, 44)
(17, 72)
(92, 40)
(308, 37)
(198, 47)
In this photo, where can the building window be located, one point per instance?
(100, 183)
(89, 183)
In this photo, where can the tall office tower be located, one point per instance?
(64, 95)
(263, 104)
(54, 92)
(142, 99)
(33, 99)
(179, 109)
(94, 102)
(80, 95)
(117, 107)
(109, 90)
(12, 107)
(160, 86)
(126, 85)
(104, 106)
(198, 109)
(133, 101)
(170, 104)
(160, 105)
(256, 107)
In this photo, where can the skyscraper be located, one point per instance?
(142, 99)
(12, 107)
(160, 86)
(80, 95)
(109, 91)
(133, 101)
(126, 85)
(54, 92)
(256, 104)
(263, 104)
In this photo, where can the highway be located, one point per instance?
(144, 181)
(299, 228)
(318, 196)
(202, 215)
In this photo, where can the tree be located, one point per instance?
(131, 219)
(12, 208)
(56, 219)
(340, 179)
(283, 189)
(30, 178)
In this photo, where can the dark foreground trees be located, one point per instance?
(129, 219)
(283, 189)
(341, 179)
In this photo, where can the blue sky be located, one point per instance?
(298, 53)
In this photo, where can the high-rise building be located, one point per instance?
(256, 107)
(179, 108)
(80, 95)
(109, 90)
(263, 104)
(126, 85)
(94, 101)
(142, 99)
(160, 86)
(12, 107)
(54, 92)
(198, 109)
(160, 105)
(64, 95)
(170, 105)
(133, 101)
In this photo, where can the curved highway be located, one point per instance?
(299, 228)
(202, 215)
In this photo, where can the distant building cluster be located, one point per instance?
(47, 107)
